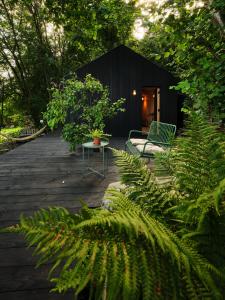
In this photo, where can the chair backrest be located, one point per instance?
(161, 132)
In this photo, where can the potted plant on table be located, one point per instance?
(97, 135)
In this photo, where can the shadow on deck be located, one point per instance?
(35, 175)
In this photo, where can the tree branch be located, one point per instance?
(218, 19)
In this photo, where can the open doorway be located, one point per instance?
(150, 106)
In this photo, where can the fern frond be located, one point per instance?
(142, 186)
(104, 251)
(199, 163)
(208, 213)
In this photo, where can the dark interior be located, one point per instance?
(148, 106)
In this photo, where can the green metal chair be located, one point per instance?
(158, 139)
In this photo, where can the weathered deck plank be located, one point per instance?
(36, 175)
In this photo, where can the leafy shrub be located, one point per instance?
(81, 107)
(12, 113)
(16, 119)
(11, 132)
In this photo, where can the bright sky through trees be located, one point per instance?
(139, 30)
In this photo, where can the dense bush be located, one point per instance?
(188, 38)
(81, 106)
(14, 132)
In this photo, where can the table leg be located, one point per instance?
(107, 159)
(103, 160)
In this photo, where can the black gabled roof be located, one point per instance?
(129, 50)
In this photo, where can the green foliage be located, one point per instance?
(141, 184)
(153, 241)
(16, 119)
(199, 164)
(205, 219)
(97, 133)
(124, 251)
(74, 134)
(11, 113)
(192, 203)
(199, 168)
(88, 105)
(43, 41)
(189, 39)
(26, 56)
(10, 132)
(92, 27)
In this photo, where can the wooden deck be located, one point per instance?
(39, 174)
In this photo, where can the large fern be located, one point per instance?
(122, 254)
(199, 163)
(198, 166)
(142, 185)
(205, 224)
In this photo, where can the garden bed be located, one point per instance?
(6, 145)
(14, 132)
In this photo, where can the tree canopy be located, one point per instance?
(189, 38)
(43, 41)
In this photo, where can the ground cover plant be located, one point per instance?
(151, 241)
(14, 132)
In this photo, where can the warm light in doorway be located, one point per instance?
(134, 92)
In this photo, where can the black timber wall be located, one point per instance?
(123, 70)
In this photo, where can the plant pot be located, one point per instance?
(97, 141)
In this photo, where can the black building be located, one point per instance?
(144, 84)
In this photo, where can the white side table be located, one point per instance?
(90, 145)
